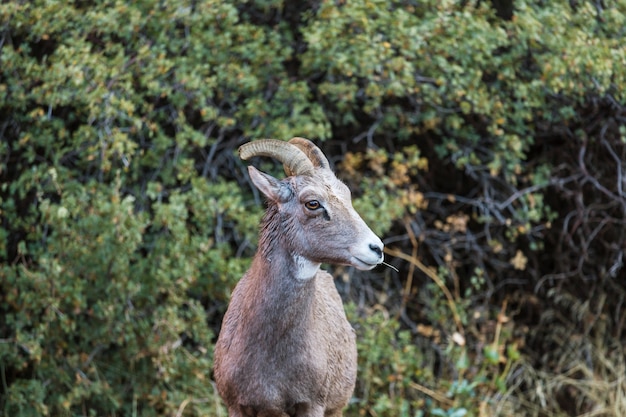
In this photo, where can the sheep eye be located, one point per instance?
(312, 205)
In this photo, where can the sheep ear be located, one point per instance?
(272, 188)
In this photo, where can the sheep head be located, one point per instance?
(312, 208)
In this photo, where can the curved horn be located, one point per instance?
(312, 152)
(294, 160)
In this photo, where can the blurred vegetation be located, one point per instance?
(485, 141)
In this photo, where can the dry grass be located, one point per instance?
(594, 388)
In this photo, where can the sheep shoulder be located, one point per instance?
(325, 353)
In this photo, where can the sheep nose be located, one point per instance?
(376, 249)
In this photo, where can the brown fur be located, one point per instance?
(286, 348)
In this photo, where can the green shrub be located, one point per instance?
(487, 151)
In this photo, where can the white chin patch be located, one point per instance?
(305, 269)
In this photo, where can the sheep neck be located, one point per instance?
(284, 283)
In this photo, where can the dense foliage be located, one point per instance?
(486, 142)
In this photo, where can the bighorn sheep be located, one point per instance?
(286, 348)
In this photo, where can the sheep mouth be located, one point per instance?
(359, 263)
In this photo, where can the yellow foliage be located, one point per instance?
(519, 261)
